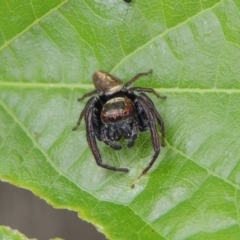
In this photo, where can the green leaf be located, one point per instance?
(48, 53)
(7, 233)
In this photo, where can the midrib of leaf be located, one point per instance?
(91, 87)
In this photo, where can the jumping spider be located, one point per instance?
(119, 112)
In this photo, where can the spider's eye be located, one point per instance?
(117, 109)
(114, 104)
(119, 105)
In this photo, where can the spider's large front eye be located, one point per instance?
(117, 109)
(111, 105)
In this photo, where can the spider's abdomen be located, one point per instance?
(117, 109)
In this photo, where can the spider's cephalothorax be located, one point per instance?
(119, 112)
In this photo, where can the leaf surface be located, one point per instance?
(48, 52)
(7, 233)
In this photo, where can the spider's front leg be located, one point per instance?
(157, 116)
(83, 111)
(136, 77)
(89, 114)
(79, 119)
(149, 118)
(89, 94)
(133, 133)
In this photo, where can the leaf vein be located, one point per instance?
(205, 168)
(152, 40)
(7, 43)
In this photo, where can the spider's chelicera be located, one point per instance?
(120, 111)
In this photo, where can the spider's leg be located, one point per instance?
(114, 145)
(79, 119)
(157, 115)
(136, 77)
(91, 136)
(134, 134)
(154, 134)
(83, 111)
(89, 94)
(142, 122)
(148, 90)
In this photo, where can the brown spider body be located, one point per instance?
(118, 112)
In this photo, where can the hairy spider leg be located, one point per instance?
(157, 115)
(133, 137)
(91, 136)
(79, 119)
(83, 111)
(136, 77)
(89, 94)
(148, 90)
(154, 134)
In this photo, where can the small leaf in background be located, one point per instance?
(7, 233)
